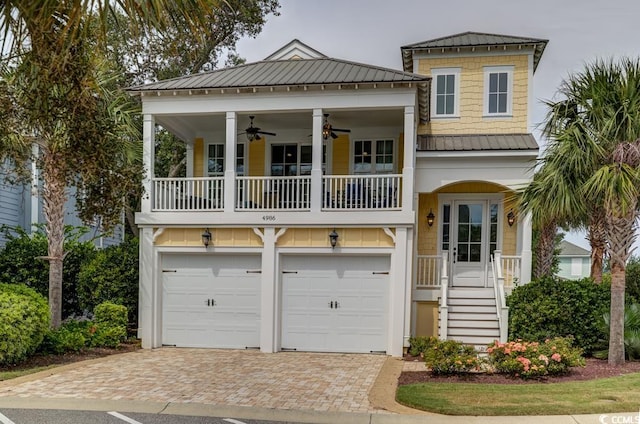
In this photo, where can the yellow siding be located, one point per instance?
(472, 187)
(348, 237)
(234, 237)
(426, 319)
(427, 236)
(340, 160)
(471, 91)
(256, 158)
(198, 158)
(509, 234)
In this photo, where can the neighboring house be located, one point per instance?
(337, 206)
(574, 262)
(22, 207)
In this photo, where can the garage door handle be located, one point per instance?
(211, 302)
(289, 272)
(380, 272)
(336, 304)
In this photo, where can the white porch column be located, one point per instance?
(147, 315)
(148, 145)
(526, 264)
(189, 157)
(409, 278)
(230, 162)
(409, 156)
(397, 294)
(268, 292)
(316, 164)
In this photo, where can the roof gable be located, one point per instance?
(471, 40)
(295, 49)
(570, 249)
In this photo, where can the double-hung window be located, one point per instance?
(498, 97)
(446, 93)
(215, 159)
(373, 156)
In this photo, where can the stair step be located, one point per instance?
(474, 332)
(482, 341)
(457, 323)
(473, 316)
(471, 309)
(471, 293)
(473, 302)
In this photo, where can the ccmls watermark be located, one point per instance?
(630, 418)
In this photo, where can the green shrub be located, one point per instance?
(419, 345)
(632, 279)
(445, 357)
(72, 336)
(111, 325)
(111, 276)
(24, 320)
(21, 263)
(533, 359)
(551, 307)
(631, 333)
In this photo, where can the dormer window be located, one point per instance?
(498, 82)
(446, 93)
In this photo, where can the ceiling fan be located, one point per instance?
(328, 130)
(253, 133)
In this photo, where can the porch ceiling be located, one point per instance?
(188, 127)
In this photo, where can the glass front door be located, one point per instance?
(469, 246)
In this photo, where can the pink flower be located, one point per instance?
(544, 359)
(556, 357)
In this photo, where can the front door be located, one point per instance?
(469, 247)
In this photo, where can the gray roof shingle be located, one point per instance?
(476, 142)
(570, 249)
(284, 73)
(474, 39)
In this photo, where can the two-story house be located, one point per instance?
(338, 206)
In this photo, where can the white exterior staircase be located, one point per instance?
(472, 317)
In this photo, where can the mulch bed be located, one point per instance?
(594, 369)
(40, 360)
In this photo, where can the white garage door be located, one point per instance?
(335, 304)
(211, 301)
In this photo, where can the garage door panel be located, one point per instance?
(233, 321)
(334, 304)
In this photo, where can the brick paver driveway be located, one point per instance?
(291, 380)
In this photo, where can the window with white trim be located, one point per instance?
(373, 156)
(445, 95)
(498, 96)
(576, 267)
(215, 159)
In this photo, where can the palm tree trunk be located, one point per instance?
(545, 249)
(616, 323)
(54, 196)
(597, 237)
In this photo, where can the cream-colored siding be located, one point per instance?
(198, 158)
(472, 95)
(348, 237)
(426, 319)
(341, 155)
(232, 237)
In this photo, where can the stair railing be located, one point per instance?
(444, 286)
(501, 302)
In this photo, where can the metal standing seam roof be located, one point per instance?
(473, 39)
(285, 73)
(476, 142)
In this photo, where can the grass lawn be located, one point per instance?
(616, 394)
(8, 375)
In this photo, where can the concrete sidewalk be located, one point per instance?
(291, 387)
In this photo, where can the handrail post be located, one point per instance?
(444, 286)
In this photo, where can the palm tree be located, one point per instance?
(53, 97)
(595, 133)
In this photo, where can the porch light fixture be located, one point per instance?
(511, 218)
(430, 218)
(333, 238)
(206, 238)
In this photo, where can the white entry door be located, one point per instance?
(335, 304)
(469, 247)
(211, 301)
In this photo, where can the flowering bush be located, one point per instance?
(532, 359)
(418, 345)
(451, 357)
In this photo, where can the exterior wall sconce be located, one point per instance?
(511, 218)
(206, 238)
(333, 238)
(430, 218)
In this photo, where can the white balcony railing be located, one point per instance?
(429, 271)
(511, 271)
(179, 194)
(273, 193)
(362, 192)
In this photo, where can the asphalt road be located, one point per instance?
(47, 416)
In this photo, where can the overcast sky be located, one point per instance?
(372, 31)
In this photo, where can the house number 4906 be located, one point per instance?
(268, 217)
